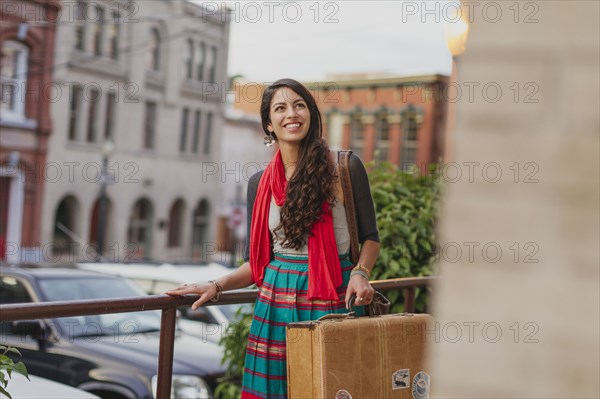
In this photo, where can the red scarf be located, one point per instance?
(324, 270)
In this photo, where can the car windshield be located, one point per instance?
(97, 287)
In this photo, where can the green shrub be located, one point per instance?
(407, 206)
(234, 343)
(7, 366)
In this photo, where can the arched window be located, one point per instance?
(139, 233)
(200, 229)
(13, 78)
(176, 223)
(189, 59)
(65, 229)
(411, 120)
(154, 54)
(100, 223)
(382, 135)
(200, 61)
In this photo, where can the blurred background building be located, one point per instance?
(27, 39)
(242, 155)
(522, 322)
(138, 124)
(398, 119)
(385, 118)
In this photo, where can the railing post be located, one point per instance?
(409, 299)
(165, 353)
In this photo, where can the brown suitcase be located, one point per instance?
(359, 357)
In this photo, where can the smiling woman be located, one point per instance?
(298, 247)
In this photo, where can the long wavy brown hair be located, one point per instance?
(313, 180)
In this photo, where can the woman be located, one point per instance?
(298, 242)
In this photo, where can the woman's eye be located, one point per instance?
(301, 105)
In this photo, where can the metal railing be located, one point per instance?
(168, 305)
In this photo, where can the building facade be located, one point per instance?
(400, 120)
(138, 129)
(27, 36)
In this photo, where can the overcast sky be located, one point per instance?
(333, 37)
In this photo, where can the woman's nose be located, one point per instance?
(291, 112)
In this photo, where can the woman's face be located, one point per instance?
(290, 117)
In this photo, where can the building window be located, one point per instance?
(139, 233)
(410, 127)
(95, 223)
(113, 36)
(357, 136)
(200, 229)
(212, 64)
(184, 128)
(80, 26)
(93, 115)
(65, 218)
(74, 111)
(149, 125)
(189, 59)
(196, 138)
(382, 136)
(207, 136)
(200, 61)
(98, 32)
(110, 115)
(176, 223)
(13, 78)
(154, 55)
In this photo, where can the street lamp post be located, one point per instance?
(107, 149)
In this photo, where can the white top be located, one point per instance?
(340, 227)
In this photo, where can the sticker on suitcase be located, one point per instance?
(343, 394)
(420, 385)
(401, 379)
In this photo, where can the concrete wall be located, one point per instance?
(523, 324)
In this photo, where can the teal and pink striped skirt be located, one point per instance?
(283, 299)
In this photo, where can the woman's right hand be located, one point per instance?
(207, 291)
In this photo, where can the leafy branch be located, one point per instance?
(7, 366)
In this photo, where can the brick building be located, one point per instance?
(27, 36)
(396, 119)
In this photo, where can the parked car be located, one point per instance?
(37, 387)
(112, 355)
(209, 323)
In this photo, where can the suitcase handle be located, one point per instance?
(339, 316)
(351, 301)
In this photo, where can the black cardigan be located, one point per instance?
(363, 202)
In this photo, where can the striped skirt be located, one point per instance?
(283, 299)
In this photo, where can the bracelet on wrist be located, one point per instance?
(361, 267)
(217, 297)
(359, 273)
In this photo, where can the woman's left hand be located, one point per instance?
(360, 287)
